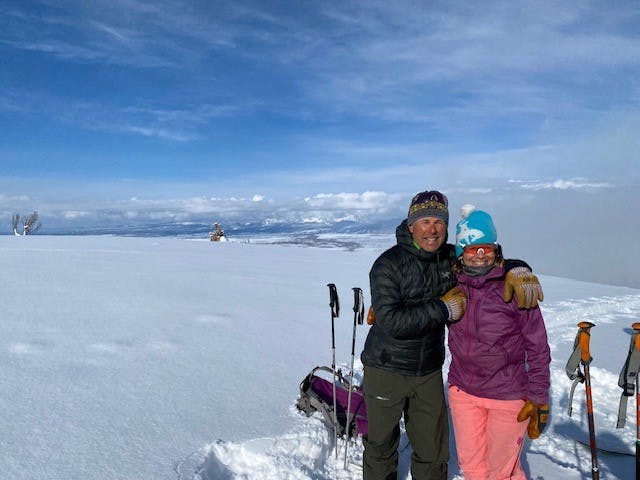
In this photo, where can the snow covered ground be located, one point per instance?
(162, 358)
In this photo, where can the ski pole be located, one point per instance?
(358, 319)
(584, 336)
(334, 303)
(628, 381)
(636, 329)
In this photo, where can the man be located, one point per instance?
(414, 295)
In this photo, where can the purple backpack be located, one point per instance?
(316, 395)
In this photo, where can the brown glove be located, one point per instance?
(456, 302)
(371, 316)
(538, 416)
(525, 285)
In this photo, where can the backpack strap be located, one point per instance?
(573, 367)
(628, 376)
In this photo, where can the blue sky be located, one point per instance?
(174, 110)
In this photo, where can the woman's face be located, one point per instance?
(479, 255)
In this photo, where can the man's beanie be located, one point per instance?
(428, 204)
(475, 228)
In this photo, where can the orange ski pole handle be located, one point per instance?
(371, 316)
(636, 328)
(583, 341)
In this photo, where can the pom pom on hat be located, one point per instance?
(466, 209)
(475, 228)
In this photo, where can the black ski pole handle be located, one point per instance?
(358, 305)
(334, 302)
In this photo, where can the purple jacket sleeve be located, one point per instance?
(538, 354)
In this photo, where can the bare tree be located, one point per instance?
(15, 219)
(30, 224)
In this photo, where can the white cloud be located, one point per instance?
(374, 201)
(560, 184)
(347, 218)
(390, 60)
(151, 132)
(14, 198)
(194, 205)
(313, 220)
(75, 214)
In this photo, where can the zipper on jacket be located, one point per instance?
(475, 318)
(431, 275)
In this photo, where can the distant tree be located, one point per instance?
(30, 224)
(15, 219)
(217, 235)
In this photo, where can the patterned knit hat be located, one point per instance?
(428, 204)
(475, 228)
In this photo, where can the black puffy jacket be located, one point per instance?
(406, 283)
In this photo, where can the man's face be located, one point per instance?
(429, 233)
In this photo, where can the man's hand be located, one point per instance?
(456, 303)
(538, 416)
(526, 287)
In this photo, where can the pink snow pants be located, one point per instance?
(488, 436)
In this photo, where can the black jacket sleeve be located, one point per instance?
(403, 314)
(510, 263)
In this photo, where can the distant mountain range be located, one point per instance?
(345, 234)
(232, 229)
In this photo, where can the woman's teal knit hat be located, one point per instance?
(475, 228)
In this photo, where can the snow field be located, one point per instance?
(138, 358)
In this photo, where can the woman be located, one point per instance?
(499, 373)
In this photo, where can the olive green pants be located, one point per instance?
(389, 396)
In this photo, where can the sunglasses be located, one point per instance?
(487, 249)
(430, 196)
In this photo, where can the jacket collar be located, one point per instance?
(496, 273)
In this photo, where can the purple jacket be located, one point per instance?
(497, 350)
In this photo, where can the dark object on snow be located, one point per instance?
(316, 395)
